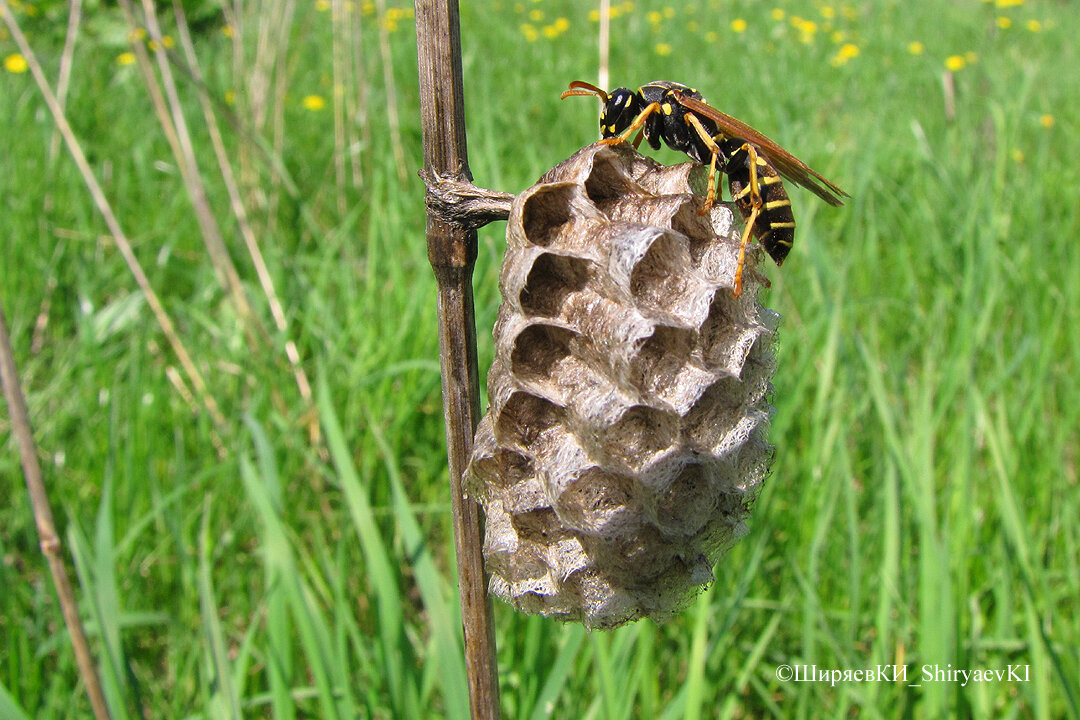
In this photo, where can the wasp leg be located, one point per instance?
(755, 209)
(639, 122)
(737, 290)
(710, 143)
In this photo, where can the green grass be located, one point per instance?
(923, 501)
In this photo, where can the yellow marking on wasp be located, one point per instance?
(776, 204)
(769, 180)
(666, 107)
(611, 128)
(629, 99)
(742, 193)
(633, 127)
(762, 161)
(783, 225)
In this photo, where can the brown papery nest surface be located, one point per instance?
(625, 438)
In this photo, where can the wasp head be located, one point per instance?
(620, 110)
(621, 106)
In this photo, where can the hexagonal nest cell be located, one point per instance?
(625, 439)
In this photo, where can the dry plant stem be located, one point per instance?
(356, 94)
(192, 176)
(239, 210)
(337, 20)
(123, 244)
(391, 90)
(281, 76)
(452, 252)
(605, 42)
(63, 80)
(39, 500)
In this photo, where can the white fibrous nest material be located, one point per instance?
(625, 438)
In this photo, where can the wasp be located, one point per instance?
(678, 115)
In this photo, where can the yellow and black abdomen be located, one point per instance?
(774, 226)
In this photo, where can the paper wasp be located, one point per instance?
(679, 116)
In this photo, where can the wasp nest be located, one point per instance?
(625, 436)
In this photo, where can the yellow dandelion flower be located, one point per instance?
(313, 102)
(1033, 25)
(711, 36)
(367, 8)
(322, 5)
(738, 25)
(845, 53)
(1047, 121)
(167, 41)
(230, 97)
(137, 34)
(662, 49)
(536, 15)
(838, 37)
(955, 62)
(807, 28)
(125, 58)
(153, 45)
(628, 7)
(669, 12)
(1017, 155)
(529, 31)
(15, 63)
(654, 17)
(1008, 3)
(1004, 23)
(915, 47)
(594, 15)
(562, 24)
(828, 12)
(778, 13)
(228, 31)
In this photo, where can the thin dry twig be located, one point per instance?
(605, 42)
(390, 91)
(123, 244)
(184, 151)
(247, 232)
(339, 62)
(63, 79)
(39, 500)
(452, 252)
(356, 94)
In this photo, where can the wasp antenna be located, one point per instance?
(580, 87)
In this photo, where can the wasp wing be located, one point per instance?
(785, 163)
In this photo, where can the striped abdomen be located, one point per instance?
(775, 224)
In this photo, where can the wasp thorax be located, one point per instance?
(625, 436)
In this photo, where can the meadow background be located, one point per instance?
(290, 555)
